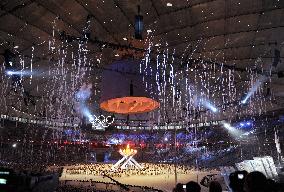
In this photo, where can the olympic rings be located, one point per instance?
(102, 121)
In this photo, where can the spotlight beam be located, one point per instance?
(205, 103)
(209, 106)
(253, 89)
(20, 73)
(232, 130)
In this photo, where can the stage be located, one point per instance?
(164, 181)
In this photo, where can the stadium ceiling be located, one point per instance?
(236, 34)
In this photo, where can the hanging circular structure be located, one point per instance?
(129, 105)
(123, 90)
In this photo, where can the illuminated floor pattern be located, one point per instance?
(164, 182)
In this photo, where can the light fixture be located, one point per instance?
(124, 38)
(117, 55)
(149, 31)
(130, 97)
(169, 4)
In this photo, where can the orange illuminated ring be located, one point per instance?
(129, 105)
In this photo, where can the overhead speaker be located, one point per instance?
(138, 25)
(276, 59)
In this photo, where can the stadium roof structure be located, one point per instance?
(218, 53)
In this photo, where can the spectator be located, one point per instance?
(237, 180)
(255, 182)
(193, 187)
(215, 186)
(179, 188)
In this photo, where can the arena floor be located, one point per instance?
(164, 182)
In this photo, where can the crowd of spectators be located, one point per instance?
(240, 181)
(33, 147)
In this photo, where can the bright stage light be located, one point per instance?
(21, 72)
(98, 122)
(210, 106)
(84, 93)
(227, 126)
(91, 118)
(169, 4)
(213, 109)
(87, 113)
(232, 130)
(244, 124)
(253, 89)
(248, 133)
(9, 72)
